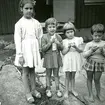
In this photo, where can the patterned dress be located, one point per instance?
(96, 61)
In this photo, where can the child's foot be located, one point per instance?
(100, 98)
(66, 95)
(29, 98)
(74, 93)
(48, 93)
(59, 93)
(89, 99)
(36, 94)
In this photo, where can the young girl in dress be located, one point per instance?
(27, 35)
(71, 56)
(51, 46)
(94, 53)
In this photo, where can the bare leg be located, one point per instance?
(70, 83)
(97, 77)
(33, 83)
(67, 84)
(89, 85)
(73, 84)
(25, 78)
(32, 79)
(48, 78)
(56, 76)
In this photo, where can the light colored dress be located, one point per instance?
(28, 33)
(72, 60)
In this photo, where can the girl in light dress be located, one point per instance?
(71, 57)
(27, 35)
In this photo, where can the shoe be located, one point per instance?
(59, 93)
(29, 98)
(66, 96)
(36, 94)
(48, 93)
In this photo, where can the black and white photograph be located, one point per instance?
(52, 52)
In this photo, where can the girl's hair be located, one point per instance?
(23, 2)
(68, 26)
(99, 28)
(52, 21)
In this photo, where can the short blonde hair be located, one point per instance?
(69, 26)
(51, 21)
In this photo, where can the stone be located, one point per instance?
(11, 86)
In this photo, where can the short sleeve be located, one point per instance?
(65, 43)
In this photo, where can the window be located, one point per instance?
(94, 2)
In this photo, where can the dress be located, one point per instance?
(95, 62)
(52, 59)
(26, 36)
(72, 61)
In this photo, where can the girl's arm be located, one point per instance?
(59, 42)
(80, 46)
(79, 49)
(87, 54)
(87, 51)
(65, 50)
(18, 40)
(44, 45)
(40, 34)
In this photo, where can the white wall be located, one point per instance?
(64, 9)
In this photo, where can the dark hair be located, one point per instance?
(68, 26)
(23, 2)
(51, 21)
(99, 28)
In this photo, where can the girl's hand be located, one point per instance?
(69, 45)
(73, 45)
(102, 50)
(21, 61)
(56, 41)
(94, 48)
(52, 40)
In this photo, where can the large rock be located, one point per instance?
(11, 86)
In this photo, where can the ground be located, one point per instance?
(12, 89)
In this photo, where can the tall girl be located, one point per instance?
(71, 57)
(51, 46)
(28, 32)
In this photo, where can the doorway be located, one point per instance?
(43, 9)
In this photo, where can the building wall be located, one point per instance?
(8, 15)
(64, 9)
(89, 14)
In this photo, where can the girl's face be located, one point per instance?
(69, 34)
(27, 10)
(51, 29)
(97, 36)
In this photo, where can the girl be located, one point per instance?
(51, 46)
(27, 36)
(94, 53)
(71, 56)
